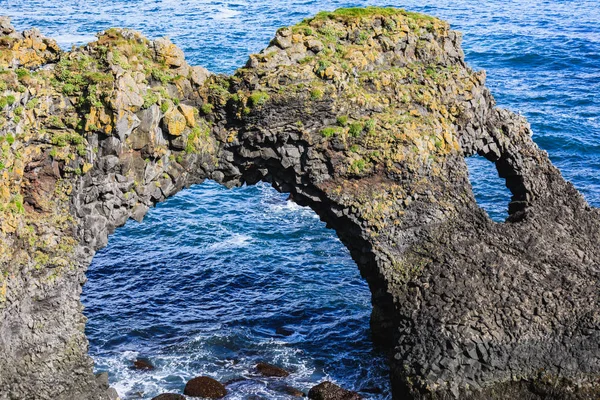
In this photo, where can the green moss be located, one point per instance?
(316, 94)
(363, 37)
(321, 66)
(161, 75)
(16, 204)
(356, 129)
(10, 139)
(164, 106)
(358, 166)
(32, 103)
(3, 102)
(342, 120)
(69, 89)
(66, 138)
(150, 98)
(370, 125)
(22, 73)
(18, 111)
(10, 100)
(257, 99)
(330, 131)
(207, 108)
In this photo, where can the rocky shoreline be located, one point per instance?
(366, 116)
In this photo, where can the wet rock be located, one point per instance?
(371, 390)
(283, 331)
(113, 394)
(204, 386)
(169, 396)
(234, 380)
(270, 370)
(143, 364)
(331, 391)
(286, 389)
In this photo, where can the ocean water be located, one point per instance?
(204, 284)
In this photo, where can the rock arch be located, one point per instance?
(365, 115)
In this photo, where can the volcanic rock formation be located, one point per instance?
(364, 115)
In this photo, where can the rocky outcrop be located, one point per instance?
(366, 116)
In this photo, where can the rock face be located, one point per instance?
(366, 116)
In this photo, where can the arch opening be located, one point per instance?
(216, 280)
(489, 188)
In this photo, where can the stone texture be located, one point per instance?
(205, 387)
(331, 391)
(143, 364)
(270, 370)
(169, 396)
(370, 131)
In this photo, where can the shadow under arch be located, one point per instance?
(214, 281)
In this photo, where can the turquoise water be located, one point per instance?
(202, 286)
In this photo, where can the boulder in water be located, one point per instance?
(169, 396)
(331, 391)
(143, 364)
(204, 386)
(270, 370)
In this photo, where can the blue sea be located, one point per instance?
(215, 280)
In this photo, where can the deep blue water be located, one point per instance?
(202, 285)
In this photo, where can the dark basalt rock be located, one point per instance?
(370, 128)
(169, 396)
(206, 387)
(270, 370)
(289, 390)
(283, 331)
(331, 391)
(143, 364)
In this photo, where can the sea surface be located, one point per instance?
(206, 282)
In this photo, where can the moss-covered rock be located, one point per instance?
(365, 115)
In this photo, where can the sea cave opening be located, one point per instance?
(214, 281)
(489, 188)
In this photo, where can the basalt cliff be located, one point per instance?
(364, 115)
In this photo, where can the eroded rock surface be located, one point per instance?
(366, 116)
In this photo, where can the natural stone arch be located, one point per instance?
(365, 115)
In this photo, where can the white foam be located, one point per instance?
(226, 13)
(235, 241)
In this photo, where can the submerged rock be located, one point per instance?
(286, 389)
(270, 370)
(143, 364)
(204, 386)
(331, 391)
(283, 331)
(169, 396)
